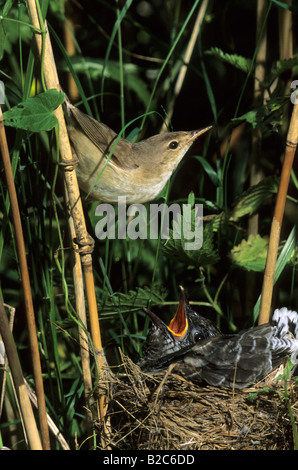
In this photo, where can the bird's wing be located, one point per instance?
(240, 359)
(102, 137)
(100, 134)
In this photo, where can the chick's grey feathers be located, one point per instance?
(239, 360)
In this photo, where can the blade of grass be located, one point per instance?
(120, 16)
(121, 71)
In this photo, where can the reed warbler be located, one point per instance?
(108, 167)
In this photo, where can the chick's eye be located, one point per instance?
(198, 337)
(173, 145)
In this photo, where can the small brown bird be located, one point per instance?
(109, 167)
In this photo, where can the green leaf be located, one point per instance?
(203, 256)
(253, 395)
(240, 62)
(251, 254)
(208, 170)
(284, 65)
(266, 118)
(35, 114)
(191, 199)
(135, 299)
(255, 197)
(286, 6)
(15, 23)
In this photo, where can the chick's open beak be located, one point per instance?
(179, 325)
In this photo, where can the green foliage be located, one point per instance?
(266, 118)
(255, 197)
(206, 255)
(241, 63)
(17, 24)
(35, 114)
(251, 254)
(126, 65)
(285, 65)
(134, 300)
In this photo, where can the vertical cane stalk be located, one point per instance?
(83, 241)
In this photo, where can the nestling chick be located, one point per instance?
(203, 353)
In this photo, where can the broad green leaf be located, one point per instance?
(251, 254)
(36, 113)
(284, 65)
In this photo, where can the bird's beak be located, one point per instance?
(155, 319)
(199, 132)
(179, 325)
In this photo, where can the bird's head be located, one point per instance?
(164, 343)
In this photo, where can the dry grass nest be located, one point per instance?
(164, 411)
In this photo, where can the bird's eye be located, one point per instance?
(198, 337)
(173, 145)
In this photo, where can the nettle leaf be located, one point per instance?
(267, 118)
(36, 113)
(251, 254)
(240, 62)
(284, 65)
(203, 256)
(135, 299)
(256, 196)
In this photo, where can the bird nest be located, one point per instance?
(164, 411)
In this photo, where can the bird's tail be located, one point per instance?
(286, 322)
